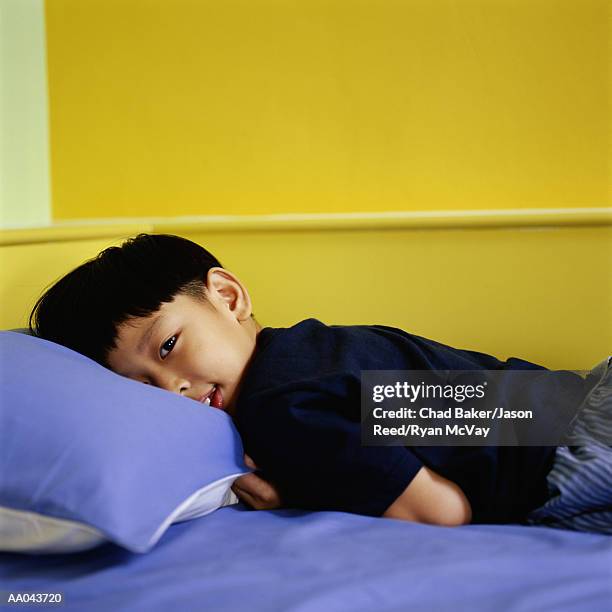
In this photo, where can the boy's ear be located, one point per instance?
(225, 288)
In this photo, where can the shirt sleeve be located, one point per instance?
(314, 456)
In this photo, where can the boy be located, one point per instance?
(162, 310)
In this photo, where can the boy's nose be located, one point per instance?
(175, 384)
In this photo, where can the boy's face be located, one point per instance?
(199, 349)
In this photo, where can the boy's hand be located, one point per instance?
(255, 491)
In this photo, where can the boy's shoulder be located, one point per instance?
(312, 349)
(314, 335)
(307, 336)
(314, 329)
(314, 359)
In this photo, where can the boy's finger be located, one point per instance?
(249, 499)
(255, 486)
(249, 462)
(243, 496)
(257, 492)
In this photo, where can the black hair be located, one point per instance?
(84, 309)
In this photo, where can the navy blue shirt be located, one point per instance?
(299, 416)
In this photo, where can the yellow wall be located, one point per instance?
(175, 107)
(163, 108)
(543, 294)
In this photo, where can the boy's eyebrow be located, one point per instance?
(145, 338)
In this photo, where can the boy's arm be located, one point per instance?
(429, 498)
(432, 499)
(323, 468)
(315, 458)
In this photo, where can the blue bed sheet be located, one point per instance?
(238, 559)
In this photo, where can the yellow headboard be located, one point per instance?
(519, 289)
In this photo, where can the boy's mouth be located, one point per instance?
(213, 398)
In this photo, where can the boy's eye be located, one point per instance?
(166, 347)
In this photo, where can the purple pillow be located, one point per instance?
(85, 448)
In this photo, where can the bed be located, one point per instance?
(136, 480)
(237, 559)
